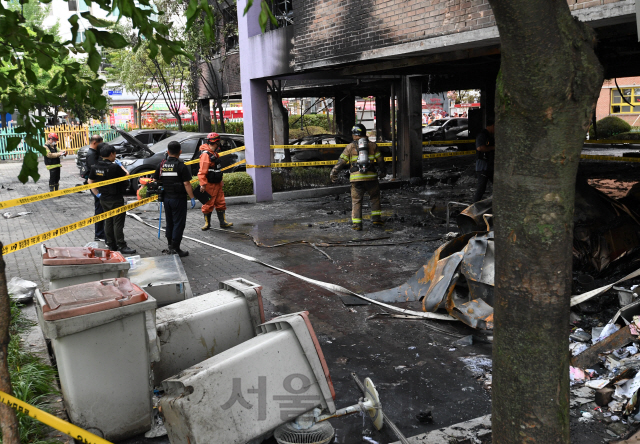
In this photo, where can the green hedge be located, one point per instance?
(235, 184)
(319, 120)
(628, 136)
(609, 128)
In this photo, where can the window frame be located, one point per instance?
(616, 108)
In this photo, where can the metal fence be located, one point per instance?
(71, 139)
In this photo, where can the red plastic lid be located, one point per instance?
(91, 297)
(316, 343)
(80, 256)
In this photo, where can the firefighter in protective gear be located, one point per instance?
(210, 178)
(360, 156)
(52, 161)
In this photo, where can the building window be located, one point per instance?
(80, 37)
(73, 5)
(620, 106)
(83, 7)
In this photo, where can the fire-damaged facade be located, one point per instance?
(391, 48)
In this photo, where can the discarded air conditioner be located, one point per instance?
(65, 266)
(194, 330)
(102, 334)
(163, 277)
(278, 382)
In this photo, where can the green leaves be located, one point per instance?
(12, 143)
(29, 168)
(109, 39)
(265, 16)
(96, 22)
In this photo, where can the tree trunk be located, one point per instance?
(178, 120)
(219, 109)
(8, 418)
(548, 86)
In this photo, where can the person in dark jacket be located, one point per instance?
(52, 161)
(485, 146)
(111, 197)
(175, 178)
(93, 157)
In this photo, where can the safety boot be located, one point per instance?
(207, 222)
(223, 220)
(378, 224)
(52, 188)
(176, 250)
(169, 249)
(357, 227)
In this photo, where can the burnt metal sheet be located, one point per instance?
(478, 263)
(418, 286)
(476, 313)
(471, 218)
(441, 288)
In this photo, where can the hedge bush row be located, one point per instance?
(235, 184)
(307, 131)
(310, 120)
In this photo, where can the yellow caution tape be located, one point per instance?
(305, 147)
(234, 164)
(447, 142)
(616, 142)
(73, 431)
(451, 154)
(613, 158)
(258, 166)
(34, 240)
(301, 164)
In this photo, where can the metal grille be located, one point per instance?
(321, 433)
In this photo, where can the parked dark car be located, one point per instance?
(123, 146)
(149, 159)
(445, 129)
(311, 155)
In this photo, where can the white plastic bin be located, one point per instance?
(163, 277)
(201, 327)
(245, 392)
(99, 335)
(65, 266)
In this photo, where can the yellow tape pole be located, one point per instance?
(52, 421)
(34, 240)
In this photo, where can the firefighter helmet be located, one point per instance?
(359, 130)
(213, 137)
(53, 136)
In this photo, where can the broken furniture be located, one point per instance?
(163, 277)
(65, 266)
(247, 391)
(196, 329)
(100, 333)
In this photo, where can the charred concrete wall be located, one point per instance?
(230, 69)
(334, 29)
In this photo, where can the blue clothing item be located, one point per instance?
(193, 203)
(175, 212)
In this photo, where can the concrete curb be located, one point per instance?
(309, 193)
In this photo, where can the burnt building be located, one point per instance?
(384, 48)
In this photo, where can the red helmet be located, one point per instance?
(53, 136)
(213, 137)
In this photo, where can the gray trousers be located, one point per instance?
(114, 226)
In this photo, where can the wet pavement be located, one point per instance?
(416, 365)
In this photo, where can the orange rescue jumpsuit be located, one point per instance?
(213, 189)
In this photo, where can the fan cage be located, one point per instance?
(321, 433)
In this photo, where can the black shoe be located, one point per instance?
(98, 239)
(114, 248)
(181, 253)
(127, 250)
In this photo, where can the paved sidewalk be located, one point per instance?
(413, 366)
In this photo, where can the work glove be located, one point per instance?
(98, 196)
(193, 203)
(382, 174)
(202, 189)
(117, 162)
(334, 178)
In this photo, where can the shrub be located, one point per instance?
(300, 177)
(234, 127)
(191, 127)
(235, 184)
(319, 120)
(609, 127)
(307, 131)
